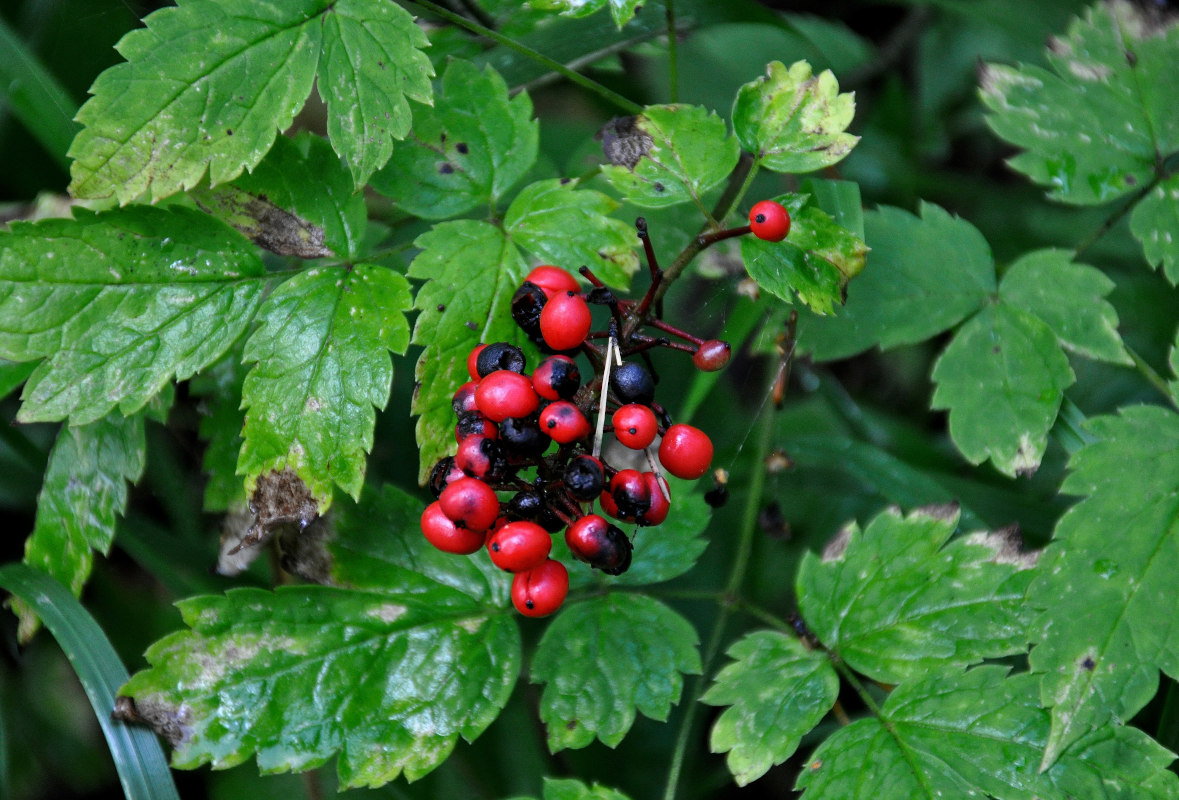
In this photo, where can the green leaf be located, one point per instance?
(776, 690)
(378, 544)
(119, 304)
(572, 789)
(299, 201)
(560, 224)
(472, 270)
(816, 261)
(840, 199)
(220, 391)
(683, 152)
(605, 658)
(1002, 378)
(188, 102)
(387, 679)
(372, 61)
(924, 275)
(467, 151)
(321, 368)
(1100, 122)
(900, 599)
(138, 757)
(1155, 223)
(1069, 298)
(36, 97)
(13, 374)
(85, 490)
(957, 734)
(1108, 580)
(621, 10)
(794, 121)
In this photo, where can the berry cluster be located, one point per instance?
(531, 439)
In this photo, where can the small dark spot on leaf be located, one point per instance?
(565, 181)
(571, 725)
(1131, 180)
(462, 148)
(442, 137)
(996, 349)
(1131, 58)
(381, 64)
(229, 131)
(659, 186)
(1088, 664)
(441, 307)
(472, 326)
(445, 168)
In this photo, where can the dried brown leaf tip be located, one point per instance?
(279, 499)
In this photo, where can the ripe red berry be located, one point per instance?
(470, 503)
(564, 422)
(519, 546)
(541, 590)
(660, 505)
(504, 394)
(685, 451)
(712, 355)
(441, 532)
(565, 321)
(769, 220)
(473, 423)
(598, 543)
(553, 280)
(631, 494)
(444, 471)
(635, 425)
(556, 378)
(473, 360)
(479, 457)
(464, 399)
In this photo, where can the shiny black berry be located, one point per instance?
(584, 478)
(632, 383)
(527, 303)
(497, 356)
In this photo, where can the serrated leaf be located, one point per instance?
(472, 270)
(277, 675)
(119, 304)
(321, 368)
(1108, 582)
(1155, 223)
(466, 151)
(13, 374)
(622, 11)
(84, 492)
(1069, 298)
(188, 102)
(840, 199)
(685, 151)
(924, 274)
(978, 733)
(794, 121)
(900, 598)
(298, 201)
(1094, 127)
(379, 539)
(605, 658)
(776, 690)
(815, 261)
(372, 62)
(1002, 378)
(560, 224)
(572, 789)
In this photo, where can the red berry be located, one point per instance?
(685, 451)
(473, 423)
(608, 504)
(443, 473)
(635, 425)
(519, 546)
(769, 220)
(660, 505)
(473, 360)
(598, 543)
(479, 457)
(553, 280)
(712, 355)
(441, 532)
(565, 321)
(464, 399)
(541, 590)
(557, 378)
(631, 494)
(470, 503)
(564, 422)
(504, 394)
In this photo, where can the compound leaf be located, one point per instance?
(1155, 223)
(924, 274)
(321, 365)
(466, 151)
(1108, 581)
(776, 690)
(118, 304)
(622, 11)
(955, 734)
(1069, 298)
(388, 680)
(794, 121)
(1100, 122)
(205, 89)
(1002, 378)
(372, 62)
(560, 224)
(815, 262)
(899, 598)
(605, 658)
(85, 490)
(471, 270)
(682, 152)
